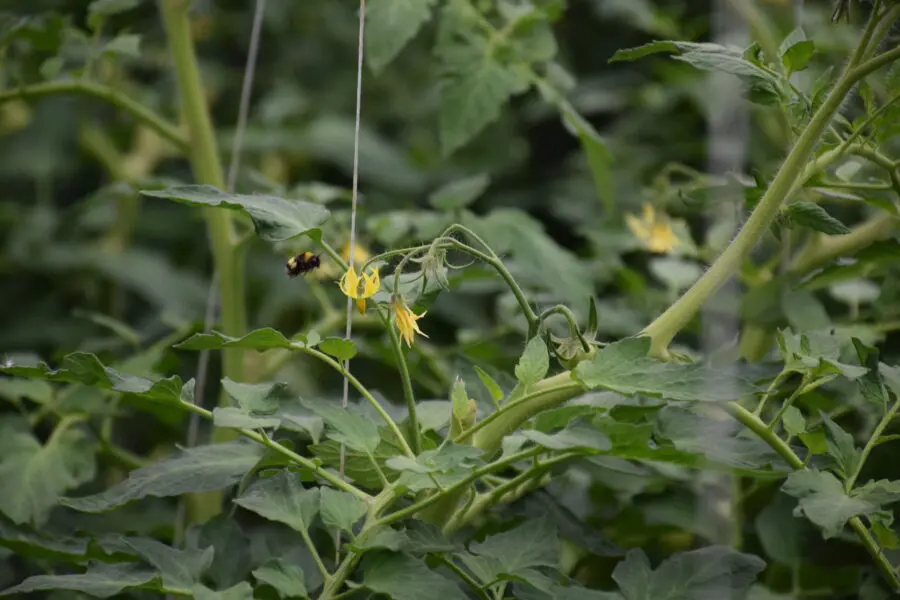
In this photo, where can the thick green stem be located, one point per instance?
(667, 325)
(826, 248)
(207, 167)
(204, 157)
(95, 90)
(563, 387)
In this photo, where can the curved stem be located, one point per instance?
(414, 434)
(571, 386)
(365, 394)
(827, 248)
(563, 310)
(871, 443)
(544, 394)
(489, 499)
(102, 92)
(287, 452)
(459, 485)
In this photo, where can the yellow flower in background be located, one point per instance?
(330, 269)
(405, 320)
(360, 287)
(360, 254)
(653, 230)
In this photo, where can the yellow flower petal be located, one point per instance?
(360, 254)
(637, 227)
(405, 321)
(350, 282)
(654, 232)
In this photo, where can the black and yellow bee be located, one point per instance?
(302, 263)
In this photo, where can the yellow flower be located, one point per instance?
(360, 288)
(654, 231)
(360, 254)
(329, 269)
(405, 320)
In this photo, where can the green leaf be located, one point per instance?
(720, 441)
(711, 572)
(350, 428)
(624, 367)
(282, 498)
(490, 385)
(793, 421)
(124, 45)
(235, 418)
(86, 368)
(782, 535)
(630, 54)
(258, 397)
(534, 363)
(599, 158)
(258, 339)
(239, 591)
(100, 580)
(816, 353)
(35, 390)
(199, 469)
(447, 458)
(461, 193)
(34, 476)
(403, 577)
(384, 537)
(339, 348)
(824, 502)
(275, 219)
(797, 57)
(532, 544)
(99, 10)
(871, 384)
(813, 216)
(459, 400)
(180, 569)
(578, 435)
(708, 57)
(475, 91)
(341, 510)
(841, 447)
(390, 25)
(287, 579)
(425, 538)
(29, 543)
(232, 558)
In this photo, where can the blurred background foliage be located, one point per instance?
(87, 264)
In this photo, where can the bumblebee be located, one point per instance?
(302, 263)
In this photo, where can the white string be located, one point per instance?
(353, 203)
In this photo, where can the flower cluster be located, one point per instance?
(362, 286)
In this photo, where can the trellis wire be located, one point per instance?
(352, 246)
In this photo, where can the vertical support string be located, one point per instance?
(353, 206)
